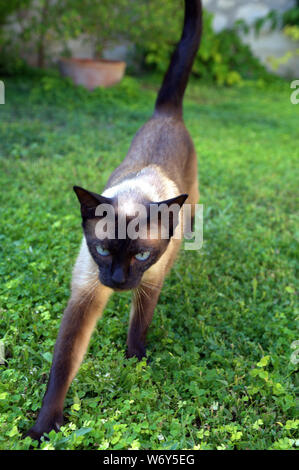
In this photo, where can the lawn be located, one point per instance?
(222, 358)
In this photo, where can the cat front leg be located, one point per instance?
(144, 301)
(84, 308)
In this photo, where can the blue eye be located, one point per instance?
(143, 256)
(102, 251)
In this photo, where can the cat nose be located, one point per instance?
(118, 275)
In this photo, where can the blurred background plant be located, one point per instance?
(222, 56)
(288, 21)
(35, 28)
(25, 27)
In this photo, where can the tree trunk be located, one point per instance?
(41, 42)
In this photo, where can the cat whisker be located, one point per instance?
(150, 285)
(90, 292)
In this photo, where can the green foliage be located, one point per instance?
(289, 21)
(229, 60)
(40, 24)
(7, 8)
(222, 56)
(103, 22)
(53, 89)
(100, 22)
(153, 27)
(292, 32)
(165, 19)
(220, 374)
(9, 64)
(275, 19)
(291, 17)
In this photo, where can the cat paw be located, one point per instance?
(39, 429)
(139, 352)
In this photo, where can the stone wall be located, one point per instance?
(267, 44)
(228, 11)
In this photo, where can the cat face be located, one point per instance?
(123, 257)
(122, 262)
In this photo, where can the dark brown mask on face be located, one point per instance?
(129, 246)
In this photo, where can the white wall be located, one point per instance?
(267, 44)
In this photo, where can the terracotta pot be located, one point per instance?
(92, 73)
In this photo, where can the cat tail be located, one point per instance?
(171, 93)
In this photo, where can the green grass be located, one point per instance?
(220, 345)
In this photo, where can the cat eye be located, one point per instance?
(102, 251)
(143, 255)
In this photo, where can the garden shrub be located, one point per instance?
(289, 22)
(154, 27)
(222, 56)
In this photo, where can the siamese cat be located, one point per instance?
(160, 168)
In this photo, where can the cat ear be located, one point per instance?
(89, 201)
(175, 200)
(170, 217)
